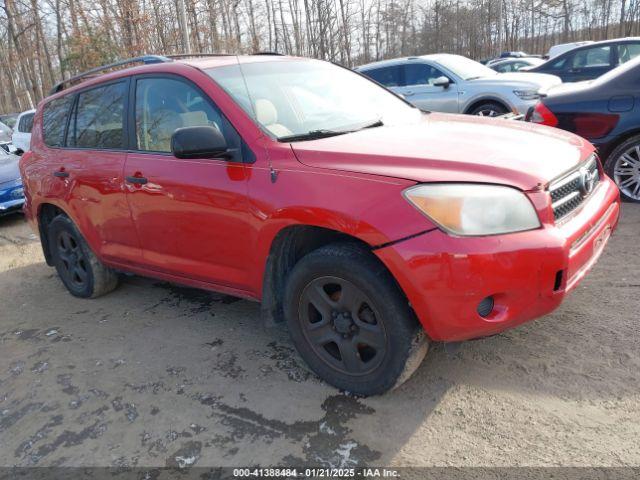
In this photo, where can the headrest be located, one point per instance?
(266, 112)
(194, 119)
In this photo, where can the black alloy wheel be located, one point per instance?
(340, 323)
(350, 321)
(80, 270)
(73, 262)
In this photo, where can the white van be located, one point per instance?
(21, 137)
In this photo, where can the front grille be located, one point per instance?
(570, 191)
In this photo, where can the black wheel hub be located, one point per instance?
(72, 260)
(342, 326)
(343, 323)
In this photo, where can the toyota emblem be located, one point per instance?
(587, 181)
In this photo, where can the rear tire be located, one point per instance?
(623, 166)
(350, 322)
(77, 266)
(489, 109)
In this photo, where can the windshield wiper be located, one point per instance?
(312, 135)
(317, 134)
(377, 123)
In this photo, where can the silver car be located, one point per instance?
(456, 84)
(507, 65)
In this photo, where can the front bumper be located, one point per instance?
(520, 106)
(528, 274)
(11, 197)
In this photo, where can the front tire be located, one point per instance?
(77, 266)
(623, 166)
(350, 322)
(489, 109)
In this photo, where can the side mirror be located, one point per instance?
(198, 142)
(441, 82)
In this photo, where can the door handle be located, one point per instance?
(60, 174)
(407, 93)
(136, 180)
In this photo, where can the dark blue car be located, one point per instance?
(605, 111)
(11, 191)
(592, 60)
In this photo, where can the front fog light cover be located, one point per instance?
(474, 209)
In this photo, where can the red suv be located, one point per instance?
(361, 221)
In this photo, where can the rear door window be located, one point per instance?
(26, 123)
(54, 120)
(98, 122)
(387, 76)
(592, 57)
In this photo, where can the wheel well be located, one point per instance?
(477, 103)
(46, 214)
(289, 246)
(604, 153)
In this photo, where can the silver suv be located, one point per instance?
(456, 84)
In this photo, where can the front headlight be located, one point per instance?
(527, 94)
(470, 209)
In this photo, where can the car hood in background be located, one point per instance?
(519, 79)
(447, 148)
(9, 170)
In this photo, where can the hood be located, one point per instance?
(9, 170)
(520, 79)
(445, 148)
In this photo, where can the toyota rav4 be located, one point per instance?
(370, 227)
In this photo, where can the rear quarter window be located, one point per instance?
(54, 120)
(628, 51)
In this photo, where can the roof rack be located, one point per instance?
(145, 59)
(189, 55)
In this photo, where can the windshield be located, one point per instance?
(9, 120)
(294, 100)
(5, 133)
(464, 67)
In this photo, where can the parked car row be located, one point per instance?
(605, 111)
(572, 62)
(369, 226)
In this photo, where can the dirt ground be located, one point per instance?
(155, 374)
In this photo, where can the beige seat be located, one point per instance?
(267, 115)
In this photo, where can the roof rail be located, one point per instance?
(189, 55)
(268, 53)
(145, 59)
